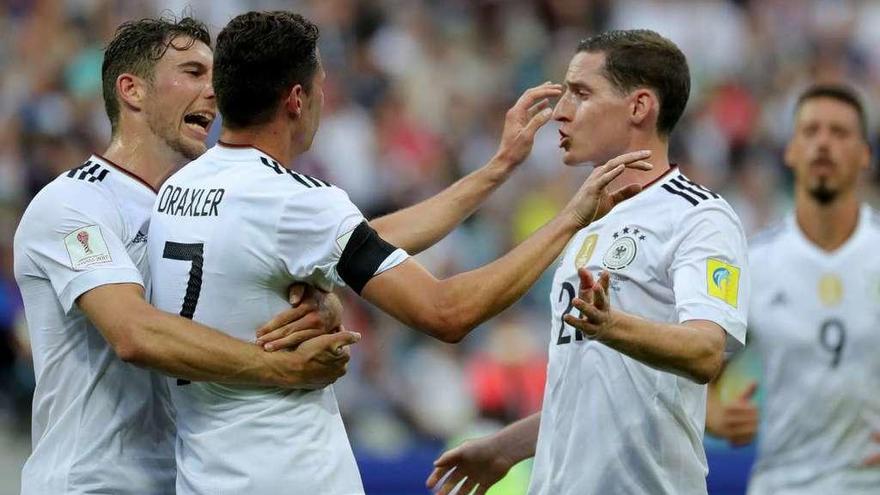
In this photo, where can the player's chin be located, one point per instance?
(570, 159)
(192, 148)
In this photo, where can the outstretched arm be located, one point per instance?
(422, 225)
(449, 309)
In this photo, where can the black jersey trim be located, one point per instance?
(306, 180)
(670, 189)
(700, 187)
(362, 256)
(89, 171)
(687, 189)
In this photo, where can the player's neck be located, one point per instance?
(150, 161)
(659, 159)
(828, 226)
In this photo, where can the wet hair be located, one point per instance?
(642, 58)
(136, 48)
(259, 57)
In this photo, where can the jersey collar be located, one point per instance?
(229, 146)
(111, 164)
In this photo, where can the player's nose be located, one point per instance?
(560, 111)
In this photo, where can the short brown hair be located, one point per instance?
(137, 46)
(839, 92)
(640, 57)
(259, 56)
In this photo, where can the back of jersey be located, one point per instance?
(231, 231)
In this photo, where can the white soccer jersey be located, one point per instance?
(230, 232)
(100, 425)
(815, 322)
(613, 425)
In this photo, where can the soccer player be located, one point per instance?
(101, 422)
(238, 217)
(631, 349)
(813, 317)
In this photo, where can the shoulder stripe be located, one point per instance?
(685, 188)
(299, 178)
(320, 181)
(278, 169)
(312, 180)
(88, 171)
(698, 186)
(690, 200)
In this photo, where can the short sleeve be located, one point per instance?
(77, 245)
(709, 271)
(314, 230)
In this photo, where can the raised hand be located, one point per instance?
(479, 462)
(592, 200)
(530, 112)
(312, 313)
(594, 303)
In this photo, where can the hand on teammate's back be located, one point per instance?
(479, 462)
(530, 112)
(592, 200)
(312, 313)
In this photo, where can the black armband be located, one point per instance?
(362, 256)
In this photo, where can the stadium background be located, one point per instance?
(415, 97)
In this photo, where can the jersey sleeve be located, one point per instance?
(324, 240)
(709, 271)
(73, 237)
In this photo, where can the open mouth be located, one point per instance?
(564, 140)
(201, 120)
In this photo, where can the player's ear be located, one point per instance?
(294, 101)
(131, 90)
(643, 106)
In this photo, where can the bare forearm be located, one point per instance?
(694, 353)
(519, 440)
(422, 225)
(185, 349)
(475, 296)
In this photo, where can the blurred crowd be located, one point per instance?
(415, 97)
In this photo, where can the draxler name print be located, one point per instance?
(185, 202)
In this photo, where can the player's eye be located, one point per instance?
(839, 132)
